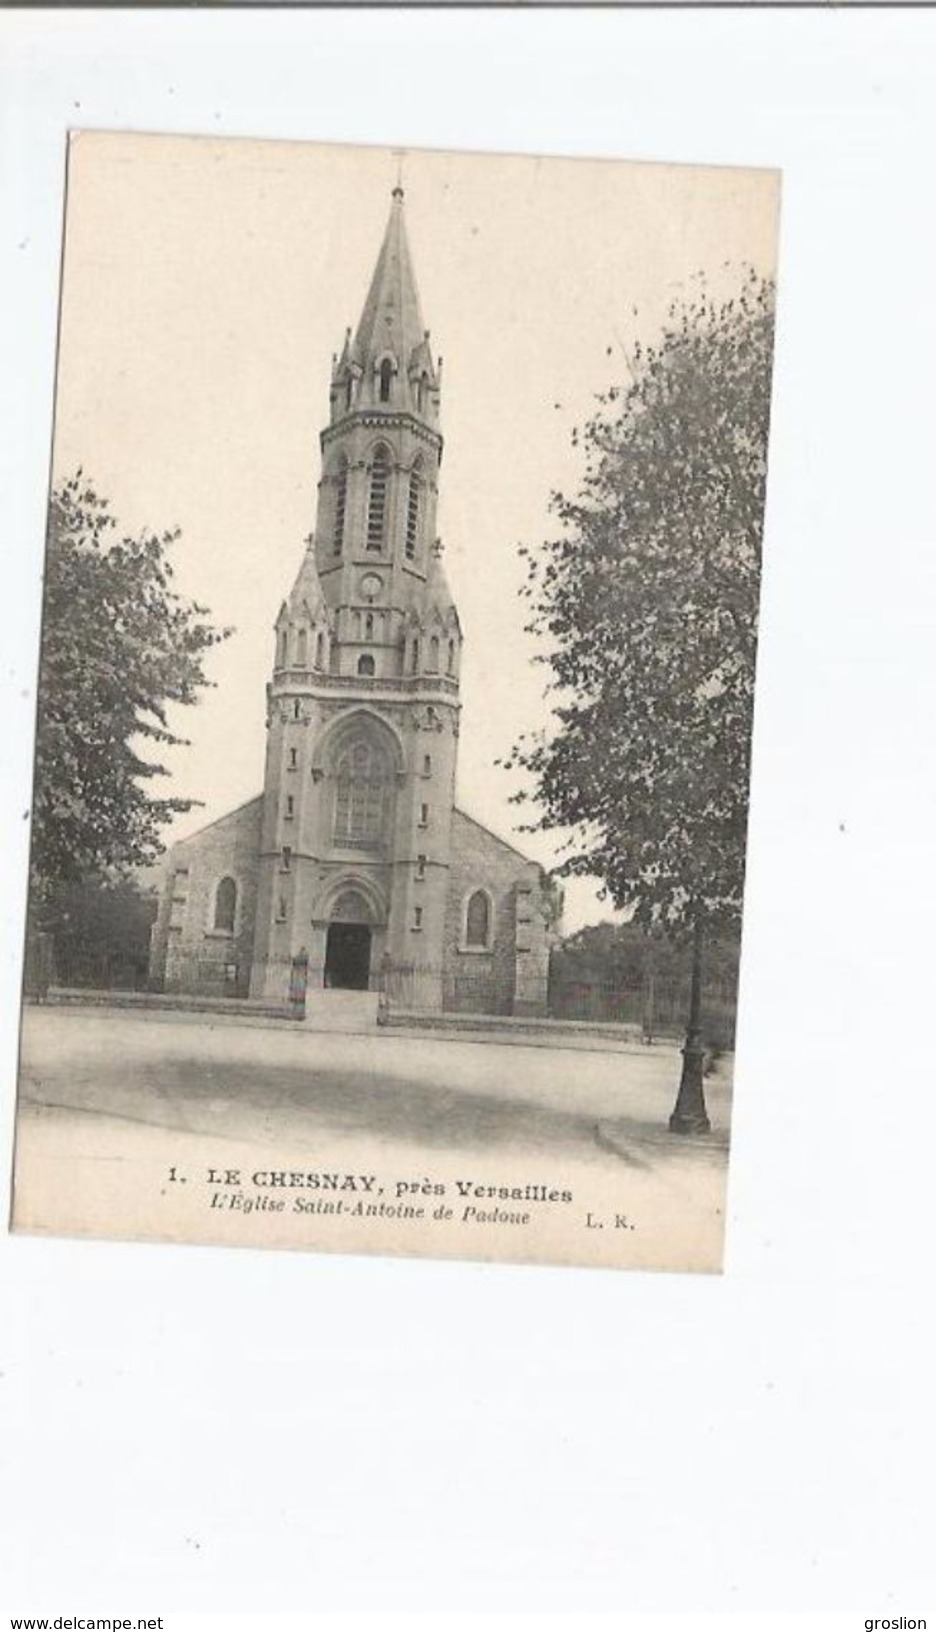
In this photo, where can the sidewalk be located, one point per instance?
(526, 1032)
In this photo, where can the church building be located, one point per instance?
(354, 857)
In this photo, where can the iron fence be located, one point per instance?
(659, 1007)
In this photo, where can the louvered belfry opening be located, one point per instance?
(377, 503)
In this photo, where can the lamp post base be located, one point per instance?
(689, 1113)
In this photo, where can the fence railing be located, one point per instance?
(659, 1007)
(51, 963)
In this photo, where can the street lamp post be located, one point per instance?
(689, 1113)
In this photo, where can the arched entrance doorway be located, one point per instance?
(348, 943)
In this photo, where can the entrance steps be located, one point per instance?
(332, 1009)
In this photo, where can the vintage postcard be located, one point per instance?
(395, 700)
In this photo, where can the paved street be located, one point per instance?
(198, 1075)
(98, 1083)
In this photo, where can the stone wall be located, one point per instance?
(508, 976)
(188, 953)
(514, 968)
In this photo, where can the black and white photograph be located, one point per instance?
(468, 631)
(390, 809)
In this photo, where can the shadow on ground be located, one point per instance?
(190, 1095)
(185, 1094)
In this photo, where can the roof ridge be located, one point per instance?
(256, 799)
(457, 811)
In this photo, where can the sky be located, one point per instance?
(206, 286)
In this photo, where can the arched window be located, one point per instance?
(377, 502)
(362, 775)
(319, 650)
(386, 375)
(368, 626)
(433, 663)
(349, 392)
(421, 394)
(415, 656)
(281, 654)
(478, 920)
(365, 665)
(413, 504)
(302, 649)
(451, 657)
(341, 505)
(225, 906)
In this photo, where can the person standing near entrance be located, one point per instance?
(298, 982)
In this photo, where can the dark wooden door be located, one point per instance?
(347, 956)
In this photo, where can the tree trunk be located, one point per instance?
(689, 1113)
(649, 995)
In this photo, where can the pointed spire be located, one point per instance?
(391, 325)
(306, 597)
(438, 594)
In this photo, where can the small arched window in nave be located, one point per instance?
(225, 906)
(478, 920)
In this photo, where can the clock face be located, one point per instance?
(371, 585)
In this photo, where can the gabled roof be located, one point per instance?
(463, 816)
(252, 807)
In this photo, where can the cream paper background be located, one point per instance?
(271, 1431)
(205, 286)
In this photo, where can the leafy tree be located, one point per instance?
(102, 932)
(613, 966)
(625, 954)
(648, 602)
(119, 647)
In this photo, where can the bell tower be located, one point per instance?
(363, 704)
(381, 450)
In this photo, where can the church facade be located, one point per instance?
(354, 860)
